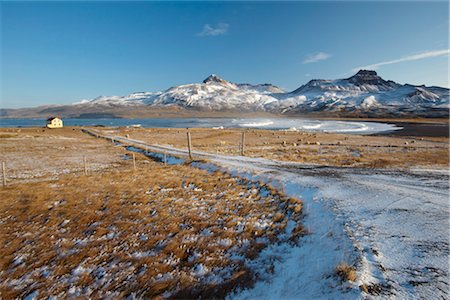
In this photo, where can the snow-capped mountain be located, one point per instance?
(364, 93)
(216, 93)
(139, 98)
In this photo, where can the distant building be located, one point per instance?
(54, 123)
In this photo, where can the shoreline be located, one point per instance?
(418, 130)
(210, 115)
(412, 128)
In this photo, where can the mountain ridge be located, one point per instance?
(365, 93)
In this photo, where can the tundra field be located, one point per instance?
(159, 230)
(322, 149)
(179, 231)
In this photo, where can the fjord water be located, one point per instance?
(352, 127)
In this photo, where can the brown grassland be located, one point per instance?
(157, 231)
(41, 153)
(170, 231)
(340, 150)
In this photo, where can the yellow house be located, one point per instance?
(54, 123)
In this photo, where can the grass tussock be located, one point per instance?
(346, 272)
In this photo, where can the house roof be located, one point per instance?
(51, 119)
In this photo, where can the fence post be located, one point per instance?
(134, 162)
(189, 144)
(165, 157)
(242, 143)
(85, 165)
(4, 173)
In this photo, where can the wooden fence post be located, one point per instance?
(4, 173)
(85, 165)
(189, 144)
(134, 162)
(242, 143)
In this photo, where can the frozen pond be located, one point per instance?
(353, 127)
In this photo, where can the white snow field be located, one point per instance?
(393, 225)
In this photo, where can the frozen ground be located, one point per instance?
(394, 225)
(398, 222)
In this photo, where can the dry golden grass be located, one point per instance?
(346, 272)
(157, 231)
(306, 147)
(38, 153)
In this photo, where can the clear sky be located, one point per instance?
(63, 52)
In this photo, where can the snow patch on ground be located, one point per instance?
(393, 225)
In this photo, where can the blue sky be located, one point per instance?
(62, 52)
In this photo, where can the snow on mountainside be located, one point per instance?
(216, 93)
(363, 92)
(131, 99)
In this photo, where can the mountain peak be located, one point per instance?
(365, 76)
(214, 78)
(316, 82)
(366, 73)
(370, 77)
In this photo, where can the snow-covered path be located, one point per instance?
(395, 225)
(398, 221)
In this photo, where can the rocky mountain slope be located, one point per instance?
(365, 93)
